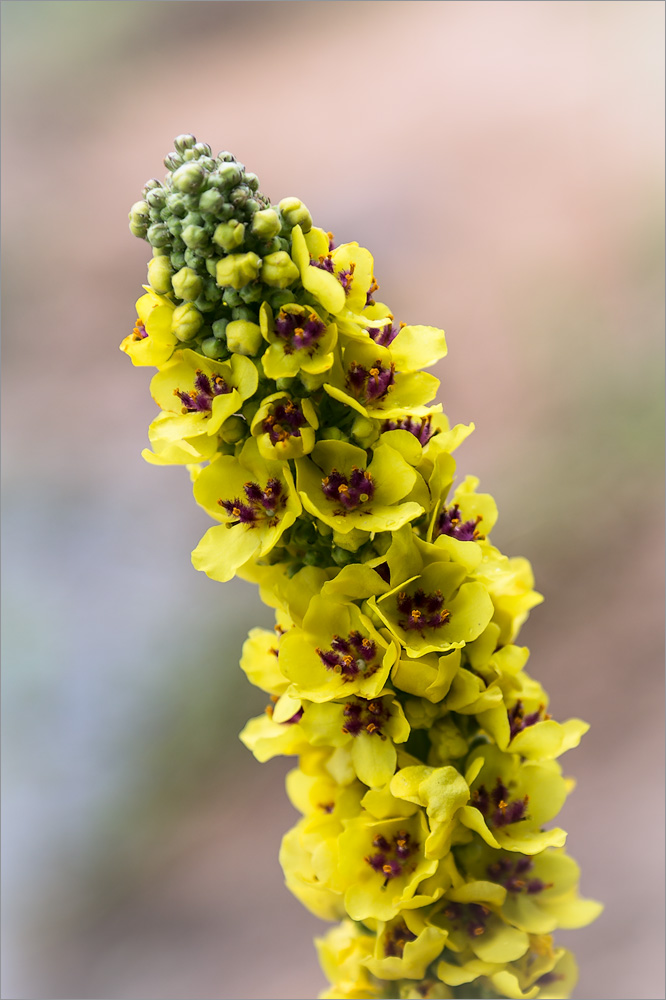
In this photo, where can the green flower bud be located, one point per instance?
(266, 224)
(225, 156)
(156, 197)
(214, 348)
(341, 556)
(172, 161)
(194, 237)
(284, 384)
(278, 270)
(159, 275)
(279, 298)
(158, 235)
(137, 230)
(186, 321)
(205, 305)
(313, 558)
(139, 214)
(177, 204)
(183, 142)
(242, 312)
(187, 284)
(313, 382)
(201, 149)
(252, 293)
(295, 213)
(230, 174)
(188, 178)
(251, 180)
(363, 430)
(174, 225)
(211, 266)
(219, 328)
(238, 270)
(244, 337)
(193, 218)
(332, 434)
(239, 195)
(149, 185)
(211, 201)
(233, 429)
(192, 259)
(229, 235)
(232, 298)
(252, 206)
(177, 259)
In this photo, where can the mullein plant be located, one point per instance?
(428, 773)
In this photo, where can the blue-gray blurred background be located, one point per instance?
(504, 162)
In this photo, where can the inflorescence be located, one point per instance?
(427, 772)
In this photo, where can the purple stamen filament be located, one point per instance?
(298, 330)
(285, 421)
(390, 858)
(367, 385)
(396, 939)
(519, 721)
(200, 399)
(259, 505)
(472, 915)
(325, 263)
(350, 491)
(139, 331)
(365, 717)
(350, 657)
(511, 874)
(497, 808)
(450, 523)
(422, 610)
(421, 429)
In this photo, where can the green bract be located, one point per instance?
(427, 778)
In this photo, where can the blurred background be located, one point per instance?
(504, 162)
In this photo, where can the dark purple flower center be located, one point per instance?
(547, 979)
(392, 858)
(349, 491)
(350, 657)
(450, 523)
(366, 385)
(139, 331)
(470, 917)
(298, 330)
(420, 428)
(396, 939)
(200, 399)
(284, 421)
(422, 611)
(384, 335)
(519, 721)
(258, 506)
(511, 874)
(365, 717)
(325, 263)
(496, 806)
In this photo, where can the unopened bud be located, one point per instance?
(244, 337)
(177, 259)
(251, 180)
(238, 270)
(229, 235)
(211, 201)
(363, 430)
(177, 203)
(278, 270)
(183, 142)
(230, 174)
(201, 149)
(188, 178)
(158, 235)
(139, 214)
(159, 275)
(194, 237)
(295, 213)
(172, 161)
(214, 349)
(187, 284)
(219, 328)
(239, 196)
(266, 224)
(233, 429)
(186, 321)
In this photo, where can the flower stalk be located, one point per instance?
(428, 777)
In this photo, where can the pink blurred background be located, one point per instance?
(504, 162)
